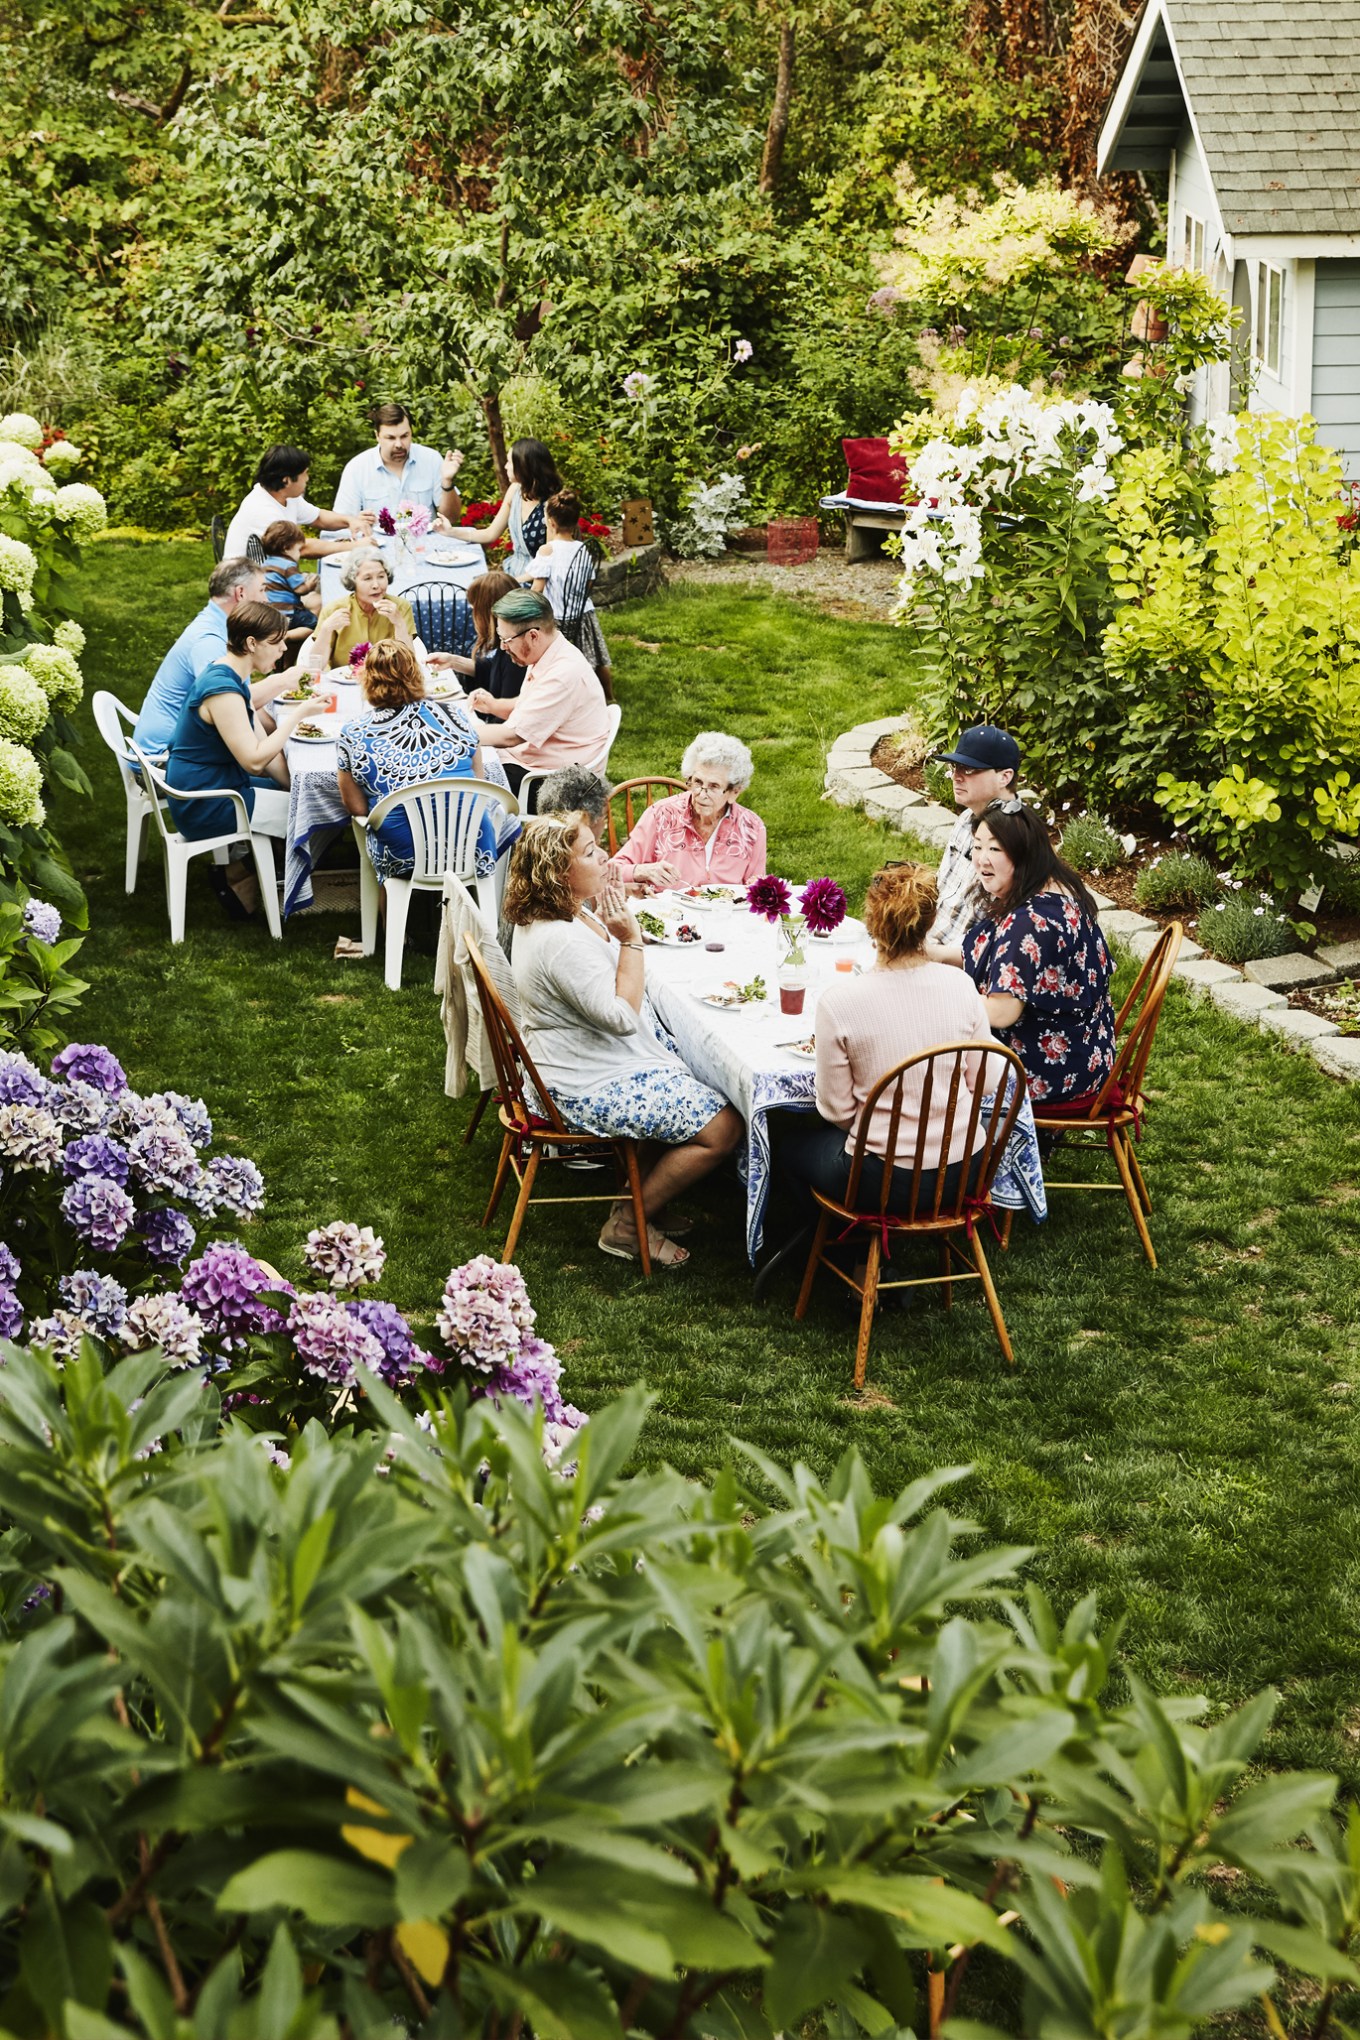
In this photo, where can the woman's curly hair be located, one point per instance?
(391, 675)
(537, 888)
(899, 908)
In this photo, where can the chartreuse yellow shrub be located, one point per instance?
(1236, 639)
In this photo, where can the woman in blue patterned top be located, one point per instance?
(1039, 959)
(400, 739)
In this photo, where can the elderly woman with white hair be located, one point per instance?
(367, 615)
(702, 836)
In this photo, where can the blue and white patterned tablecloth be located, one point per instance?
(739, 1054)
(316, 813)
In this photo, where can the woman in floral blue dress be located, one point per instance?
(579, 973)
(1039, 959)
(402, 738)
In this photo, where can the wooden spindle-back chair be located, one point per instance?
(637, 796)
(526, 1132)
(942, 1214)
(1117, 1110)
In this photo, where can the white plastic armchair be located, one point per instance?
(600, 764)
(115, 723)
(445, 819)
(181, 850)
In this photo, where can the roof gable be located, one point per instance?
(1272, 89)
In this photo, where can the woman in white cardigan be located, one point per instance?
(578, 965)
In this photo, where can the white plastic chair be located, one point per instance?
(180, 850)
(445, 819)
(115, 723)
(600, 764)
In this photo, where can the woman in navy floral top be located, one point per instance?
(1039, 959)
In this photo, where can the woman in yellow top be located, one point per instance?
(367, 615)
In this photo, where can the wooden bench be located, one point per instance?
(865, 531)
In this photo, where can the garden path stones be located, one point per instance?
(1293, 1024)
(1342, 956)
(849, 785)
(1339, 1056)
(894, 804)
(1201, 975)
(1121, 922)
(1245, 1002)
(1287, 973)
(1143, 940)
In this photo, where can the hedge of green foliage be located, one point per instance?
(416, 1729)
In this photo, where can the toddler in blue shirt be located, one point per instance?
(285, 585)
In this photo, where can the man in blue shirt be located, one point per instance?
(397, 470)
(202, 641)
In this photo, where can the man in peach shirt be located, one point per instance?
(559, 716)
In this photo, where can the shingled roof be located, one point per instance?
(1275, 89)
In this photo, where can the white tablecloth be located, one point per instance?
(316, 813)
(739, 1053)
(408, 566)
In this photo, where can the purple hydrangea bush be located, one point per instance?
(124, 1186)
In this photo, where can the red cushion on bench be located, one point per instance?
(876, 476)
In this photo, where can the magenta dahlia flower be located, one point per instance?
(823, 904)
(770, 897)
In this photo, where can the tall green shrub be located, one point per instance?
(478, 1748)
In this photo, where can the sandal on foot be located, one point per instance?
(676, 1228)
(624, 1246)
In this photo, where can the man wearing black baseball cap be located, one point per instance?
(985, 764)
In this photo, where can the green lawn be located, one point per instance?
(1184, 1441)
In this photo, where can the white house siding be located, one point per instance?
(1192, 195)
(1336, 358)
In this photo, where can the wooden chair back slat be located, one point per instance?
(1136, 1021)
(950, 1059)
(514, 1064)
(639, 791)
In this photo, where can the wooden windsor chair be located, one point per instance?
(524, 1128)
(629, 791)
(1116, 1112)
(943, 1212)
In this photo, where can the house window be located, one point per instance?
(1267, 325)
(1192, 255)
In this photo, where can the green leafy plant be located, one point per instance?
(1342, 1004)
(1089, 843)
(479, 1742)
(1244, 927)
(1179, 879)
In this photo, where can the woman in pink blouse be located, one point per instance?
(702, 836)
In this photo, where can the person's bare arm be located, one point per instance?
(1003, 1010)
(483, 703)
(354, 797)
(251, 750)
(630, 981)
(501, 740)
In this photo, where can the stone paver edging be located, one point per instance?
(1257, 996)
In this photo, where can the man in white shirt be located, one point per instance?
(281, 491)
(985, 764)
(398, 470)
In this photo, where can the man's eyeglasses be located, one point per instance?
(511, 636)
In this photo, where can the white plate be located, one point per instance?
(797, 1051)
(454, 694)
(724, 1002)
(451, 555)
(850, 930)
(298, 737)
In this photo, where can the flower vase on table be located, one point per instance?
(792, 967)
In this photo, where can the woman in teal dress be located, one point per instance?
(217, 741)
